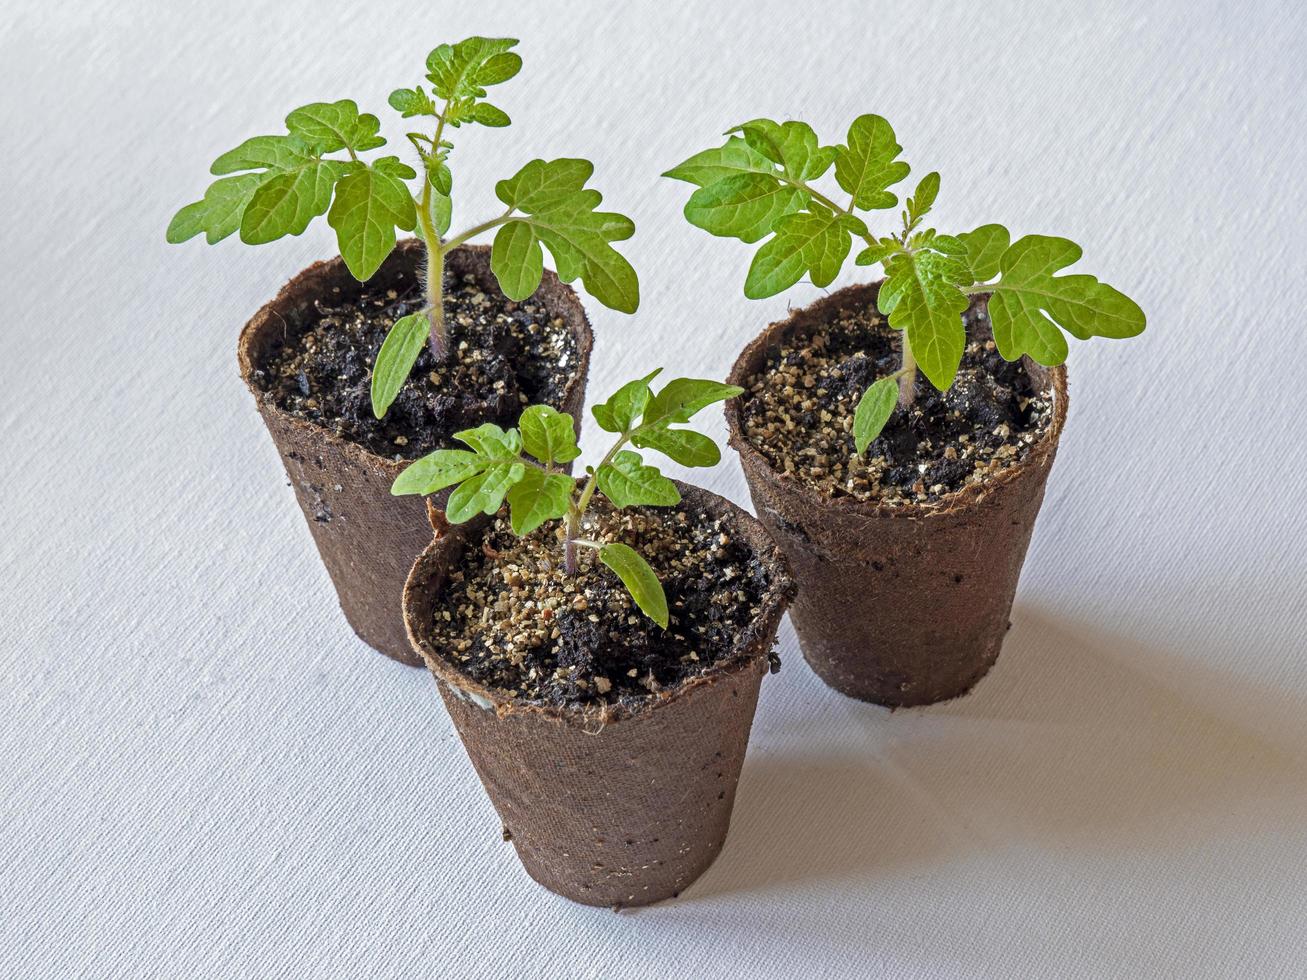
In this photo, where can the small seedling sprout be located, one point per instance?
(493, 469)
(273, 186)
(760, 184)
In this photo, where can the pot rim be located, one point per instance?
(579, 324)
(751, 650)
(803, 322)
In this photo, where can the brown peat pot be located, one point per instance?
(903, 604)
(367, 538)
(623, 806)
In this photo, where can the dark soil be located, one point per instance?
(513, 620)
(798, 413)
(503, 356)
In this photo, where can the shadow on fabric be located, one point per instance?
(1078, 739)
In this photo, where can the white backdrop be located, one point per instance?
(203, 772)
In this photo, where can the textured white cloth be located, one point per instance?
(205, 774)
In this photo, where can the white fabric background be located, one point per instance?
(202, 771)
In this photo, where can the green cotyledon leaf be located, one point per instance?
(873, 411)
(399, 351)
(639, 579)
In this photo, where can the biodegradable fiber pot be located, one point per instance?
(630, 806)
(368, 538)
(902, 604)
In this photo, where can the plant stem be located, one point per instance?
(569, 542)
(439, 339)
(475, 230)
(577, 510)
(907, 376)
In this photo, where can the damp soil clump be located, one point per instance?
(512, 619)
(503, 356)
(798, 412)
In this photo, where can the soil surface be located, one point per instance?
(503, 356)
(798, 413)
(512, 619)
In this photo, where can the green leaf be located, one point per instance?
(438, 470)
(627, 482)
(489, 440)
(369, 204)
(517, 260)
(483, 493)
(815, 241)
(709, 166)
(681, 398)
(541, 184)
(950, 245)
(330, 126)
(263, 153)
(744, 206)
(286, 202)
(791, 144)
(439, 175)
(687, 447)
(865, 166)
(399, 351)
(489, 115)
(442, 211)
(578, 253)
(294, 187)
(462, 70)
(638, 578)
(923, 197)
(219, 213)
(626, 404)
(538, 497)
(498, 68)
(563, 216)
(548, 435)
(873, 411)
(412, 102)
(985, 247)
(188, 222)
(876, 253)
(922, 298)
(1028, 304)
